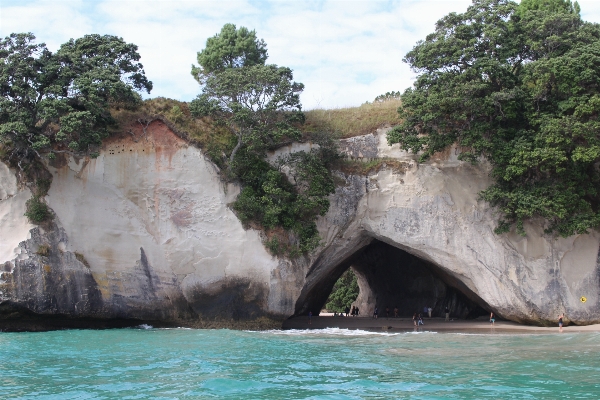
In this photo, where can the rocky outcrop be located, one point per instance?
(433, 212)
(144, 232)
(150, 218)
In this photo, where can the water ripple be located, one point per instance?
(336, 363)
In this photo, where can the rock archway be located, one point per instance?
(391, 277)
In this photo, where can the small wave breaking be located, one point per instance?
(328, 331)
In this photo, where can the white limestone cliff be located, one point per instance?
(144, 231)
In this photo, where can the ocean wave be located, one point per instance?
(144, 326)
(328, 331)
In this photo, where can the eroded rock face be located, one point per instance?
(391, 278)
(432, 211)
(150, 217)
(144, 231)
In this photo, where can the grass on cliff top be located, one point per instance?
(216, 141)
(353, 121)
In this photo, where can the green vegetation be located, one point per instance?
(520, 86)
(37, 211)
(260, 105)
(231, 48)
(388, 96)
(59, 102)
(553, 6)
(344, 292)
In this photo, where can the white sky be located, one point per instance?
(345, 52)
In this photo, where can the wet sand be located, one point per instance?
(479, 325)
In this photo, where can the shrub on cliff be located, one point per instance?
(519, 85)
(59, 102)
(37, 211)
(260, 105)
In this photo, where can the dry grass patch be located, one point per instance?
(353, 121)
(215, 140)
(358, 167)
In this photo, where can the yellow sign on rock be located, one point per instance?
(583, 299)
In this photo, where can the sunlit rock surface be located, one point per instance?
(150, 218)
(432, 211)
(144, 231)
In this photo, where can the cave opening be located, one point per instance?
(389, 277)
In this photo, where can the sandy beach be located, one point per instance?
(480, 325)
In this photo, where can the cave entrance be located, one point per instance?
(390, 277)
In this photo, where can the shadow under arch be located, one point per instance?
(391, 277)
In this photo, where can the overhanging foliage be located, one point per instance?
(260, 105)
(519, 85)
(60, 101)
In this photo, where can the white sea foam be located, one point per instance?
(144, 326)
(328, 331)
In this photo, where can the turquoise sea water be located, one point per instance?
(329, 364)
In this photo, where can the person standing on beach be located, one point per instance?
(415, 319)
(429, 310)
(396, 312)
(447, 314)
(347, 310)
(375, 312)
(560, 321)
(387, 312)
(492, 318)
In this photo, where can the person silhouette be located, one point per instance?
(560, 321)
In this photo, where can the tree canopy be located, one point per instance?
(554, 6)
(53, 102)
(231, 48)
(260, 104)
(520, 86)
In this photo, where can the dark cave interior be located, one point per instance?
(389, 277)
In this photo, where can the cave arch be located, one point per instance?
(389, 276)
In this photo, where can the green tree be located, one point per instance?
(231, 48)
(344, 292)
(554, 6)
(521, 89)
(260, 104)
(59, 102)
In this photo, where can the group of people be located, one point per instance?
(347, 312)
(426, 310)
(418, 320)
(387, 312)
